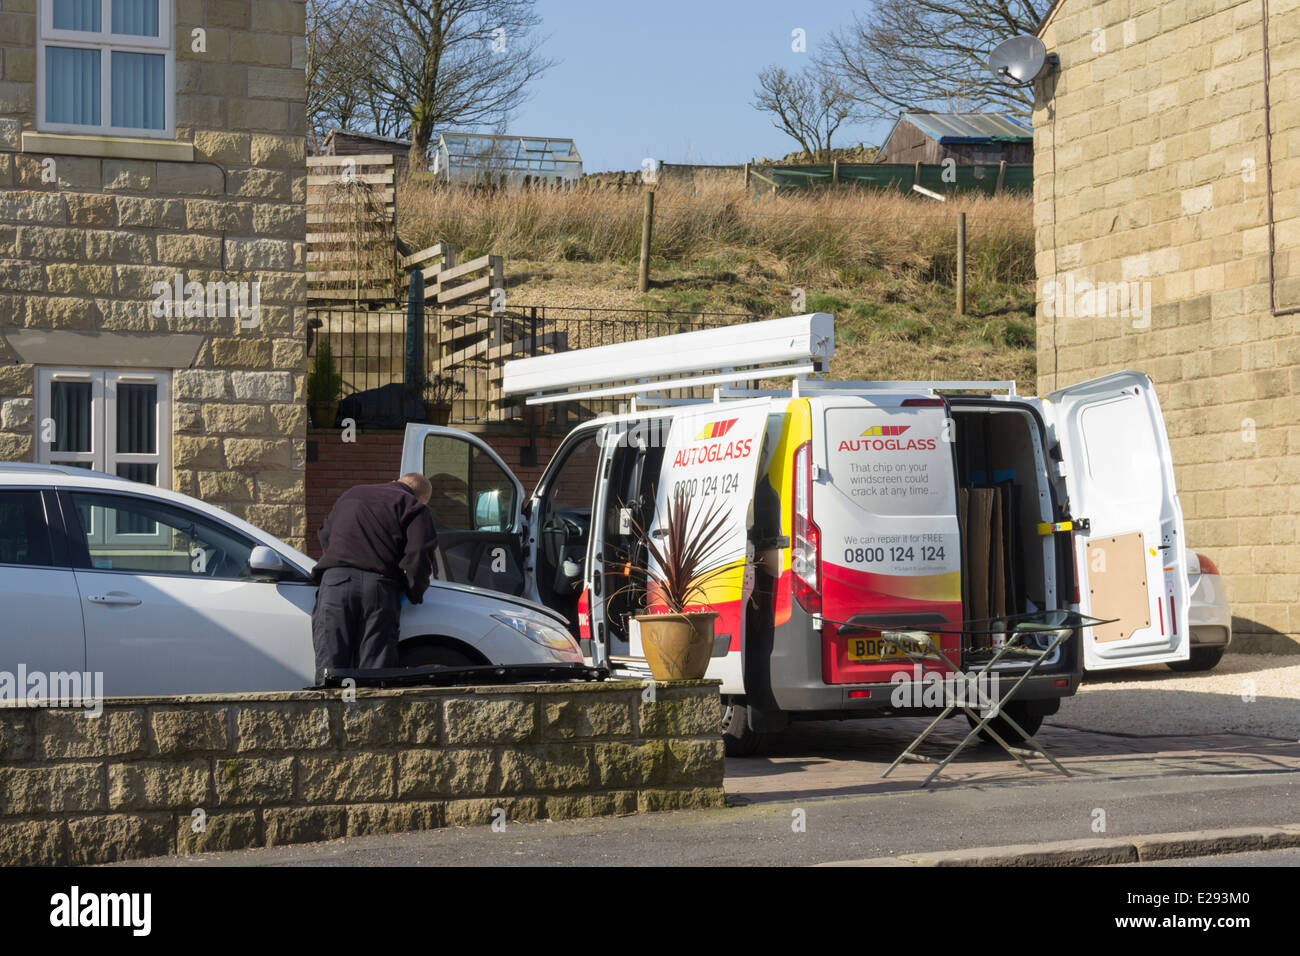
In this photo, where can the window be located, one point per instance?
(116, 422)
(24, 538)
(178, 541)
(106, 67)
(571, 487)
(471, 492)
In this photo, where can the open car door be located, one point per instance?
(1127, 522)
(476, 506)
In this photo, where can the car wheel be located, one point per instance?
(738, 738)
(420, 654)
(1018, 711)
(1201, 659)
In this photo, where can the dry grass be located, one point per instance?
(884, 264)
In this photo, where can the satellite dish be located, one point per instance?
(1020, 60)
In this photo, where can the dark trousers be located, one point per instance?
(355, 621)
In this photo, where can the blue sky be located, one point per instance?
(671, 79)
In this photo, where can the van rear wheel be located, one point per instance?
(738, 738)
(1018, 711)
(1201, 659)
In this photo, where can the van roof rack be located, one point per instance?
(821, 385)
(774, 348)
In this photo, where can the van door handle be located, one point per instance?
(114, 598)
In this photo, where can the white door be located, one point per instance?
(710, 453)
(170, 605)
(1128, 538)
(42, 616)
(477, 504)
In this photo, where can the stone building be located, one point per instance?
(1167, 217)
(152, 227)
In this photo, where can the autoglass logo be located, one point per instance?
(716, 429)
(886, 438)
(715, 446)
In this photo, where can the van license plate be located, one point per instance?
(876, 649)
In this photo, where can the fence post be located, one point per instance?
(961, 263)
(647, 227)
(835, 172)
(747, 175)
(415, 371)
(1002, 174)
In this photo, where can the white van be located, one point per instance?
(855, 507)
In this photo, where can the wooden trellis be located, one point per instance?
(351, 229)
(478, 333)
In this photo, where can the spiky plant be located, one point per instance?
(686, 553)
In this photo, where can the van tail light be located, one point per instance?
(1207, 566)
(806, 551)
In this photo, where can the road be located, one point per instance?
(819, 798)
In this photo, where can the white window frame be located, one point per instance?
(106, 42)
(103, 455)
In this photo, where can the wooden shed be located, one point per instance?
(972, 139)
(348, 142)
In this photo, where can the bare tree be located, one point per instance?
(808, 106)
(336, 66)
(920, 54)
(451, 63)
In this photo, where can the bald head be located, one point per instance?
(418, 484)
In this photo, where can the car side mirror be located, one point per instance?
(265, 563)
(487, 511)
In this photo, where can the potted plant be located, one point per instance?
(684, 556)
(324, 383)
(439, 391)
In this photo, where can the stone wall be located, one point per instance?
(1151, 175)
(271, 769)
(81, 249)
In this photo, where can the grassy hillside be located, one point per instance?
(883, 264)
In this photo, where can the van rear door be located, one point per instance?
(1128, 524)
(885, 504)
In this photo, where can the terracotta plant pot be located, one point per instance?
(323, 414)
(437, 413)
(677, 646)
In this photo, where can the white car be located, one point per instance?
(1208, 614)
(164, 594)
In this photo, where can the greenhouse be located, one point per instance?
(511, 162)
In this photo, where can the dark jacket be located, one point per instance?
(381, 528)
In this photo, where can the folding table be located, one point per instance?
(1028, 639)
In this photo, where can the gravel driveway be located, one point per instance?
(1245, 694)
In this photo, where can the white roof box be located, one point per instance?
(792, 346)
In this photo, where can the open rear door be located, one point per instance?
(1128, 524)
(476, 506)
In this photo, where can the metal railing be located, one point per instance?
(462, 357)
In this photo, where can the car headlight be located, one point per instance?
(540, 632)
